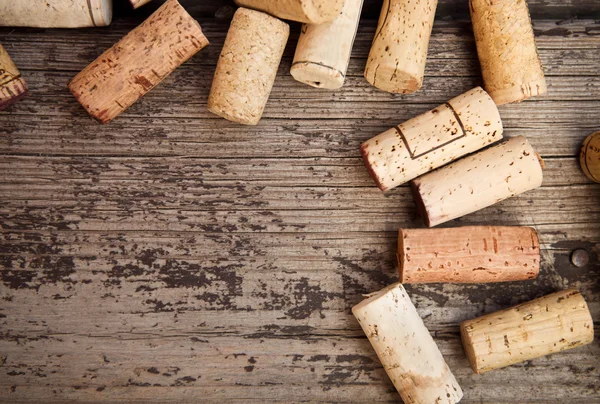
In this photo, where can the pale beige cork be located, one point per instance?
(477, 181)
(307, 11)
(510, 64)
(470, 254)
(543, 326)
(323, 50)
(589, 158)
(247, 66)
(461, 126)
(139, 3)
(138, 62)
(396, 62)
(56, 13)
(12, 85)
(408, 353)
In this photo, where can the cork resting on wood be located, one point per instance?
(139, 3)
(589, 158)
(396, 62)
(323, 50)
(56, 13)
(12, 85)
(461, 126)
(510, 64)
(477, 181)
(472, 254)
(138, 62)
(307, 11)
(405, 347)
(247, 66)
(530, 330)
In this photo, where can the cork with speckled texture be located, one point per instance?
(589, 158)
(247, 66)
(12, 85)
(405, 348)
(323, 50)
(469, 254)
(478, 181)
(396, 61)
(56, 13)
(543, 326)
(306, 11)
(139, 3)
(461, 126)
(138, 62)
(510, 64)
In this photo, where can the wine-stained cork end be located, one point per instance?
(519, 93)
(420, 203)
(589, 158)
(12, 92)
(317, 75)
(392, 80)
(364, 151)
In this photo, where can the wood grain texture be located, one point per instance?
(174, 255)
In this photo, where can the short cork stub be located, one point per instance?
(12, 92)
(520, 92)
(317, 75)
(392, 80)
(589, 158)
(418, 198)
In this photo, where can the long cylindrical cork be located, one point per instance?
(510, 64)
(530, 330)
(477, 181)
(12, 85)
(323, 50)
(589, 158)
(56, 13)
(310, 12)
(471, 254)
(138, 62)
(398, 54)
(461, 126)
(405, 348)
(247, 66)
(139, 3)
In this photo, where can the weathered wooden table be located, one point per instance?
(172, 256)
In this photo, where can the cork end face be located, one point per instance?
(589, 158)
(364, 151)
(392, 80)
(12, 92)
(418, 198)
(401, 257)
(101, 12)
(468, 347)
(233, 116)
(373, 297)
(317, 75)
(520, 92)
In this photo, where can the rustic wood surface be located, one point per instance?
(173, 256)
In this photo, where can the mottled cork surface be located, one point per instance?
(12, 85)
(56, 13)
(306, 11)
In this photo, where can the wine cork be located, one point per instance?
(323, 50)
(461, 126)
(589, 158)
(470, 254)
(510, 64)
(398, 54)
(138, 62)
(247, 66)
(405, 348)
(310, 12)
(139, 3)
(12, 85)
(477, 181)
(55, 13)
(543, 326)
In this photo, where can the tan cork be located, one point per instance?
(56, 13)
(543, 326)
(138, 62)
(461, 126)
(12, 85)
(306, 11)
(396, 62)
(139, 3)
(470, 254)
(510, 64)
(477, 181)
(589, 158)
(405, 348)
(247, 66)
(323, 50)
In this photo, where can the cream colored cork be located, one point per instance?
(589, 158)
(398, 54)
(55, 13)
(323, 50)
(138, 62)
(470, 254)
(307, 11)
(547, 325)
(405, 348)
(461, 126)
(12, 85)
(139, 3)
(510, 64)
(477, 181)
(247, 66)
